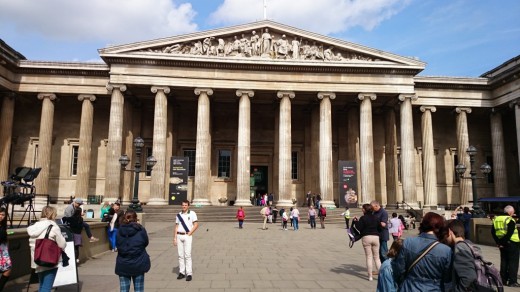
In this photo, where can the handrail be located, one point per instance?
(410, 209)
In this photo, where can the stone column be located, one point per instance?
(85, 144)
(516, 105)
(407, 150)
(366, 145)
(45, 142)
(429, 166)
(499, 155)
(115, 142)
(393, 195)
(244, 148)
(6, 133)
(203, 148)
(325, 152)
(353, 151)
(465, 191)
(157, 187)
(285, 148)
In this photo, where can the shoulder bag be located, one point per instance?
(424, 252)
(47, 252)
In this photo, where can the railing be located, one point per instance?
(410, 209)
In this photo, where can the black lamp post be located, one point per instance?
(485, 169)
(124, 160)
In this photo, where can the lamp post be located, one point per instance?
(124, 160)
(484, 168)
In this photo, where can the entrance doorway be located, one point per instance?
(259, 182)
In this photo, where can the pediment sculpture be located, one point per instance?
(262, 45)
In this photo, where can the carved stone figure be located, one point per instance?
(282, 47)
(206, 45)
(266, 44)
(305, 51)
(295, 48)
(327, 54)
(221, 48)
(255, 44)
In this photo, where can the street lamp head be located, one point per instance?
(124, 160)
(151, 161)
(460, 169)
(472, 151)
(485, 168)
(138, 142)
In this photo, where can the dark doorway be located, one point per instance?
(259, 182)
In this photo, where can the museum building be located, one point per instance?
(265, 101)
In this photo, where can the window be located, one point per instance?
(294, 165)
(455, 162)
(74, 160)
(190, 153)
(148, 153)
(399, 166)
(224, 163)
(490, 177)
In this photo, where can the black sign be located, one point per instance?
(348, 192)
(178, 180)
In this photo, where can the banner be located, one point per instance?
(348, 192)
(178, 180)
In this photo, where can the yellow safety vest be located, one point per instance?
(347, 214)
(500, 223)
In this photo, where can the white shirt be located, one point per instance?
(189, 218)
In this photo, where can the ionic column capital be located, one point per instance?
(463, 109)
(514, 103)
(403, 97)
(165, 89)
(112, 86)
(323, 94)
(247, 92)
(282, 94)
(425, 108)
(51, 96)
(362, 96)
(83, 97)
(199, 91)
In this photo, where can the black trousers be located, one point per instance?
(509, 256)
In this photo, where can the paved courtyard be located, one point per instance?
(229, 259)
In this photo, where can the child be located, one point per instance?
(284, 220)
(385, 282)
(76, 226)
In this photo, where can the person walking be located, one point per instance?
(46, 275)
(384, 235)
(265, 215)
(396, 226)
(5, 259)
(346, 214)
(295, 214)
(275, 213)
(186, 223)
(322, 213)
(132, 259)
(241, 215)
(506, 237)
(311, 214)
(367, 226)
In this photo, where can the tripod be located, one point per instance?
(28, 210)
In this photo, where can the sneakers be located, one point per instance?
(370, 278)
(181, 276)
(188, 278)
(93, 239)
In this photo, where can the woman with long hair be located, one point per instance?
(368, 227)
(5, 259)
(132, 259)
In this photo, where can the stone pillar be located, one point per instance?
(244, 148)
(429, 166)
(465, 191)
(203, 148)
(353, 151)
(499, 155)
(366, 145)
(516, 105)
(115, 142)
(6, 133)
(407, 150)
(157, 187)
(393, 195)
(45, 142)
(129, 132)
(325, 152)
(85, 144)
(285, 148)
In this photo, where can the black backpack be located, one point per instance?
(488, 277)
(354, 234)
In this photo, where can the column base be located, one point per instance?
(157, 202)
(328, 204)
(201, 202)
(244, 203)
(284, 203)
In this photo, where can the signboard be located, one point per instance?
(67, 275)
(178, 191)
(348, 191)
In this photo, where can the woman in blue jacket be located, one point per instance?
(132, 259)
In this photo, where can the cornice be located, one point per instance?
(62, 68)
(459, 83)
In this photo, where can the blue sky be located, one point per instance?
(455, 37)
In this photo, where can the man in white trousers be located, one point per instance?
(185, 225)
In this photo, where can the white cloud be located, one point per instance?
(114, 21)
(323, 16)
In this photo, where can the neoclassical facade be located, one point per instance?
(284, 103)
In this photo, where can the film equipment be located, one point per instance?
(18, 190)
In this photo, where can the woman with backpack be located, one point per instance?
(241, 215)
(322, 213)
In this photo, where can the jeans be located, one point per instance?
(124, 283)
(112, 237)
(46, 279)
(240, 223)
(295, 223)
(383, 250)
(87, 229)
(313, 222)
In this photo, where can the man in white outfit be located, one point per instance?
(185, 225)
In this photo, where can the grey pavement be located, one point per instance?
(229, 259)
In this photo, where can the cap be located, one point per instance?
(78, 201)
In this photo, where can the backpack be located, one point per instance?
(240, 214)
(323, 212)
(354, 234)
(488, 277)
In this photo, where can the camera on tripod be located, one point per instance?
(20, 189)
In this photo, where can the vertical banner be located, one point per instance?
(348, 195)
(178, 180)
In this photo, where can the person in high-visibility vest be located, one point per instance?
(346, 214)
(505, 234)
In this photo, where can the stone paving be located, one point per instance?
(229, 259)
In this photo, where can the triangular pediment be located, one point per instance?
(263, 41)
